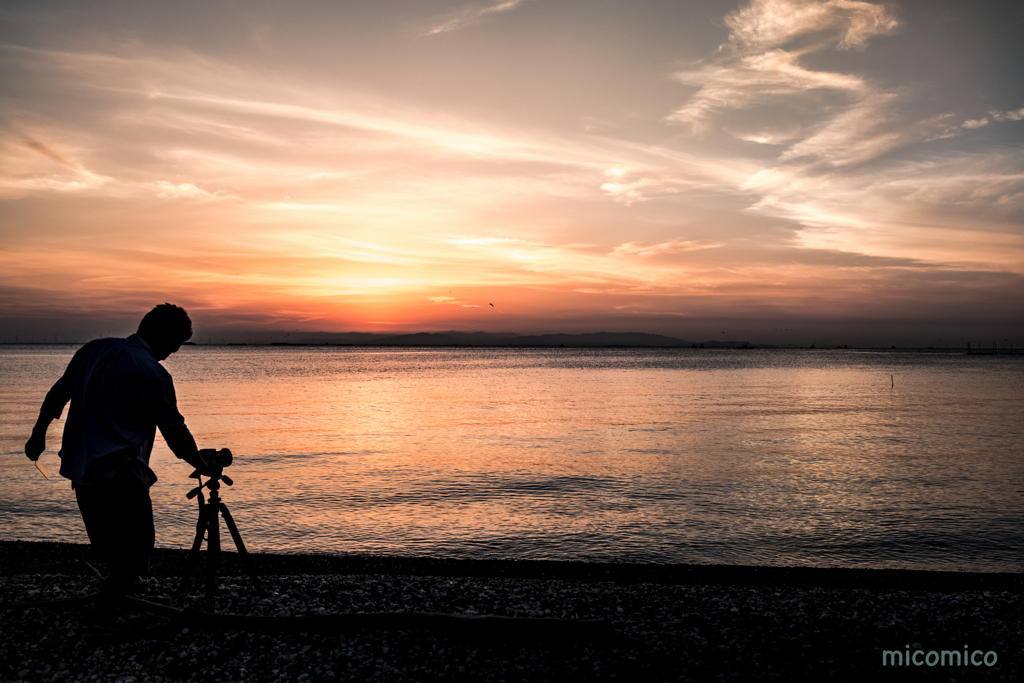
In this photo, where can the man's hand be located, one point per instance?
(35, 445)
(205, 469)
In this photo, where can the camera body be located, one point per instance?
(212, 457)
(214, 461)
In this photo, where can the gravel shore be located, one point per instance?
(665, 623)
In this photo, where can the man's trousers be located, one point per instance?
(118, 516)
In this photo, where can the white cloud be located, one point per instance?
(450, 301)
(166, 189)
(837, 176)
(1015, 115)
(857, 134)
(644, 183)
(847, 118)
(754, 69)
(754, 79)
(846, 23)
(767, 137)
(891, 211)
(469, 15)
(670, 247)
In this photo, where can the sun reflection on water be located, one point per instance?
(773, 457)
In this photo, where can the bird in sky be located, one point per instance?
(491, 305)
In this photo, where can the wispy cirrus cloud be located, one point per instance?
(205, 130)
(761, 65)
(470, 15)
(848, 24)
(41, 160)
(846, 118)
(450, 301)
(751, 79)
(828, 177)
(1013, 115)
(657, 249)
(910, 209)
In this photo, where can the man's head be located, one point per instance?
(165, 329)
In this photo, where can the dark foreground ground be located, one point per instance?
(665, 622)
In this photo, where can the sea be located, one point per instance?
(906, 459)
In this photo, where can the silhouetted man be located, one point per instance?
(119, 395)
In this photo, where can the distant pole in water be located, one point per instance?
(892, 382)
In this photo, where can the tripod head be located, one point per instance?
(214, 462)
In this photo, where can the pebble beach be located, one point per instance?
(658, 622)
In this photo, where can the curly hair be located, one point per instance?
(168, 322)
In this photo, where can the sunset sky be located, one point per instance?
(778, 171)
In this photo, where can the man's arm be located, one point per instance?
(175, 432)
(159, 393)
(164, 404)
(53, 406)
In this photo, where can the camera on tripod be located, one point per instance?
(211, 457)
(210, 463)
(214, 461)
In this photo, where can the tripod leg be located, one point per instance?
(213, 551)
(242, 553)
(193, 556)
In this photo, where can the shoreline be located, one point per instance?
(42, 552)
(18, 556)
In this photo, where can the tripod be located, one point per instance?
(209, 524)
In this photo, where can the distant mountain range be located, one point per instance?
(453, 338)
